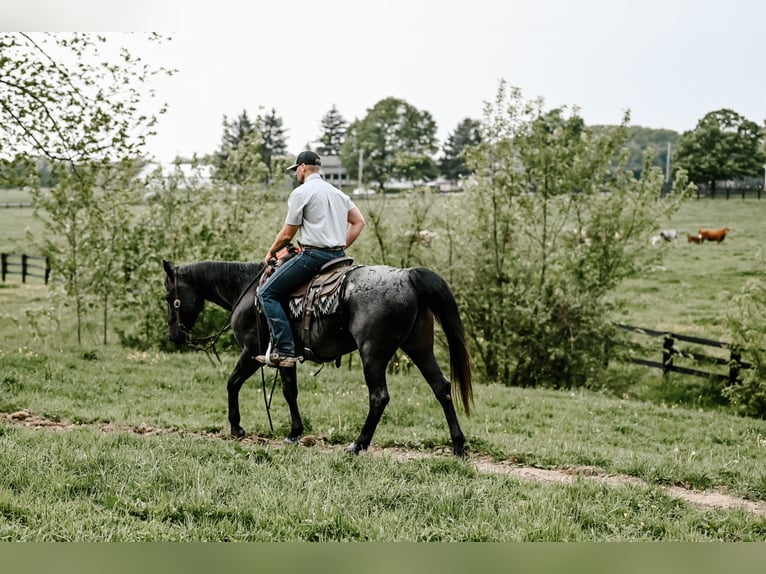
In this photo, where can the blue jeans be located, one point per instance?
(288, 277)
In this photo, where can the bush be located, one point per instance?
(746, 319)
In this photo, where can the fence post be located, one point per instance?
(735, 363)
(47, 270)
(23, 268)
(4, 265)
(667, 354)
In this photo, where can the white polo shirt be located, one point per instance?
(321, 211)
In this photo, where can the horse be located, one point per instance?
(381, 309)
(716, 235)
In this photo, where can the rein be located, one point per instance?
(206, 343)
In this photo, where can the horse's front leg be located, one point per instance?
(290, 392)
(246, 366)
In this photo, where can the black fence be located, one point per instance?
(27, 266)
(671, 352)
(727, 190)
(16, 204)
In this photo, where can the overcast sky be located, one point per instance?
(668, 61)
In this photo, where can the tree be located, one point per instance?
(69, 98)
(397, 141)
(641, 140)
(724, 145)
(273, 141)
(333, 133)
(239, 161)
(234, 132)
(558, 222)
(452, 165)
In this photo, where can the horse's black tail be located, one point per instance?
(434, 292)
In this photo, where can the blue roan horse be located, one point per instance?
(381, 309)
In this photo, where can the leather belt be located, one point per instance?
(336, 248)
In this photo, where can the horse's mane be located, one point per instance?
(222, 271)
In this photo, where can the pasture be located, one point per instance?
(110, 444)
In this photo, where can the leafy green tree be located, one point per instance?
(67, 98)
(556, 221)
(724, 145)
(333, 133)
(452, 165)
(397, 141)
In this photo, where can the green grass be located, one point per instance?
(688, 292)
(84, 486)
(102, 481)
(92, 484)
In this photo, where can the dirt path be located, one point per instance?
(715, 499)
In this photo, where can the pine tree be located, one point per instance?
(274, 142)
(333, 132)
(452, 165)
(234, 133)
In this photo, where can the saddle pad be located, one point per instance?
(324, 305)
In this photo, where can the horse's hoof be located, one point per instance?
(291, 440)
(355, 448)
(237, 432)
(461, 452)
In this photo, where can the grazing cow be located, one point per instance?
(693, 238)
(668, 234)
(716, 235)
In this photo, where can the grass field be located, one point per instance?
(132, 446)
(688, 292)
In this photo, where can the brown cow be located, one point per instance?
(693, 238)
(716, 235)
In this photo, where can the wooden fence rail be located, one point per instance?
(25, 265)
(669, 351)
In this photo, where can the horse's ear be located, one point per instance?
(168, 268)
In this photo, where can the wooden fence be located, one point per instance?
(670, 352)
(25, 265)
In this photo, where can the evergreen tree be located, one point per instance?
(235, 132)
(273, 140)
(453, 166)
(333, 132)
(240, 161)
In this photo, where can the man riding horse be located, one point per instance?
(329, 223)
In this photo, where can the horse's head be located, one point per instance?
(184, 303)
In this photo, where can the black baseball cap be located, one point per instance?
(307, 157)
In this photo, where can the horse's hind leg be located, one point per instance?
(426, 362)
(375, 377)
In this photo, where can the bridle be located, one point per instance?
(205, 343)
(196, 343)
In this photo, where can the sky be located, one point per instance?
(669, 62)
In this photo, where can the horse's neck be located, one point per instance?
(222, 282)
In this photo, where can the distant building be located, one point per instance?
(333, 171)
